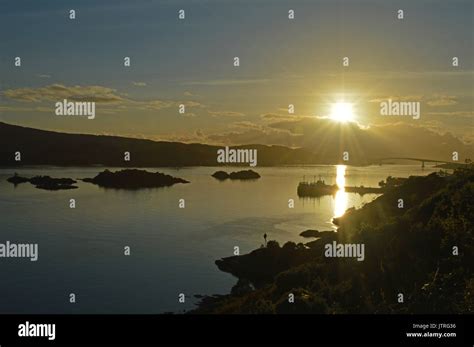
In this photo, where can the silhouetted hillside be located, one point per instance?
(39, 147)
(424, 251)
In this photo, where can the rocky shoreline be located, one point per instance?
(411, 251)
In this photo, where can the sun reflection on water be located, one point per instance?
(340, 203)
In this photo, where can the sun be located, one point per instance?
(342, 112)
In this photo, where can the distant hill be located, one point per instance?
(324, 145)
(330, 139)
(40, 147)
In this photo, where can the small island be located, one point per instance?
(237, 175)
(133, 179)
(44, 182)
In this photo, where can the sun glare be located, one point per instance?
(342, 112)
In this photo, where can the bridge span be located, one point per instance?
(422, 160)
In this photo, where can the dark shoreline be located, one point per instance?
(409, 251)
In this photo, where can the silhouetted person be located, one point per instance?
(265, 238)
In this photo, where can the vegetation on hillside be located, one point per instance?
(409, 251)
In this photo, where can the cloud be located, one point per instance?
(380, 99)
(162, 104)
(193, 104)
(442, 100)
(252, 135)
(198, 136)
(226, 114)
(247, 125)
(273, 116)
(463, 114)
(25, 109)
(139, 84)
(98, 94)
(225, 82)
(289, 117)
(55, 92)
(44, 76)
(402, 75)
(154, 104)
(188, 114)
(434, 100)
(237, 133)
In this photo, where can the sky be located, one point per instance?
(191, 62)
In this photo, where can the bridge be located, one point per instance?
(423, 161)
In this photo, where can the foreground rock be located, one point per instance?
(45, 182)
(238, 175)
(261, 265)
(133, 179)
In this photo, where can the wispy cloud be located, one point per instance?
(452, 73)
(99, 94)
(282, 117)
(193, 104)
(380, 99)
(442, 100)
(153, 104)
(467, 114)
(139, 84)
(225, 82)
(55, 92)
(8, 108)
(432, 100)
(225, 114)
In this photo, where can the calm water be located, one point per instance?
(173, 250)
